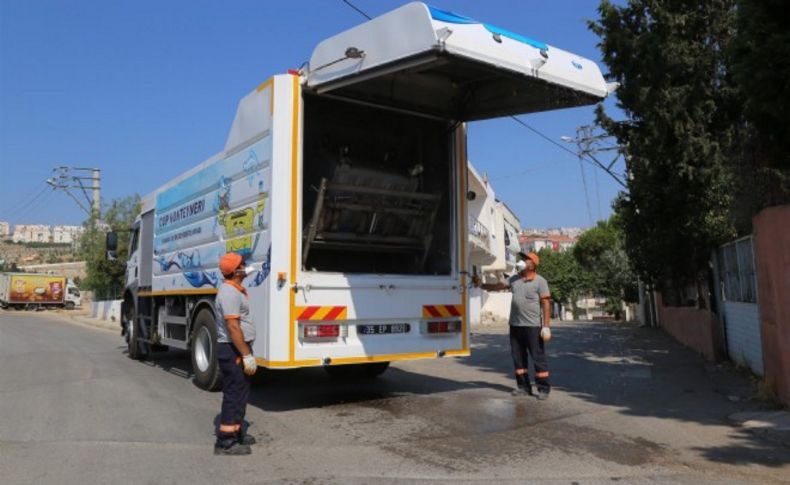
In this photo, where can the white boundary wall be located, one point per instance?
(106, 310)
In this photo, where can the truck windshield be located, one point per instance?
(133, 242)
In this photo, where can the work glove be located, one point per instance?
(545, 334)
(476, 281)
(250, 366)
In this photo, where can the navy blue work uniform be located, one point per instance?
(232, 302)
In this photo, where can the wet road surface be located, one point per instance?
(629, 406)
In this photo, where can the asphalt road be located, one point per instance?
(629, 405)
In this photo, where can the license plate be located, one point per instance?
(383, 329)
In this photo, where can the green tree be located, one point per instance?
(106, 278)
(681, 134)
(6, 267)
(568, 281)
(760, 64)
(600, 251)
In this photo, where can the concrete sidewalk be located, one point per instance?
(95, 322)
(79, 316)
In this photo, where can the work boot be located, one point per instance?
(247, 439)
(543, 395)
(522, 391)
(235, 448)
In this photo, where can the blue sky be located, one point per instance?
(145, 90)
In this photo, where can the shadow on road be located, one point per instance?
(645, 373)
(286, 390)
(641, 371)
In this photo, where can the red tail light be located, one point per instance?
(444, 326)
(321, 331)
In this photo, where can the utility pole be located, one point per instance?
(590, 144)
(66, 178)
(96, 175)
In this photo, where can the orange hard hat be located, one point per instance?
(534, 257)
(229, 263)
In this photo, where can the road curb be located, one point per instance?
(91, 322)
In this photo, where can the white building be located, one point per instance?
(494, 244)
(5, 229)
(32, 233)
(66, 234)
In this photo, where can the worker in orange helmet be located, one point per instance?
(235, 334)
(530, 320)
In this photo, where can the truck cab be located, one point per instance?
(72, 298)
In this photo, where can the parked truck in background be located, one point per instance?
(36, 291)
(344, 185)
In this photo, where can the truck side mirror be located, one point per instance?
(111, 245)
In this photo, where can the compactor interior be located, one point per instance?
(377, 192)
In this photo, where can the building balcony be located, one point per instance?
(481, 250)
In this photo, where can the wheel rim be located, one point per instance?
(202, 349)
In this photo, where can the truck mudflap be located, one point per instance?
(438, 63)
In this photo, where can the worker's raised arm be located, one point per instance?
(498, 286)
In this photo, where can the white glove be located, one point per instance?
(250, 366)
(545, 334)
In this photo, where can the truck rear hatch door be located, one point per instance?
(430, 61)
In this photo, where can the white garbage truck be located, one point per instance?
(344, 185)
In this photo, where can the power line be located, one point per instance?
(586, 194)
(522, 172)
(357, 9)
(597, 194)
(33, 206)
(32, 202)
(26, 200)
(545, 137)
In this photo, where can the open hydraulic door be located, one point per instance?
(433, 62)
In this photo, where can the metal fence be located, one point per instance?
(739, 280)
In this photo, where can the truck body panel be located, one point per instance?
(436, 62)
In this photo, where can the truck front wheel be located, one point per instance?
(137, 350)
(204, 352)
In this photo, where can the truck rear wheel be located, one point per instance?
(204, 353)
(356, 371)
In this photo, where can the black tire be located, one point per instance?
(137, 350)
(204, 352)
(357, 371)
(69, 305)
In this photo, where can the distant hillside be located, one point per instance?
(36, 253)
